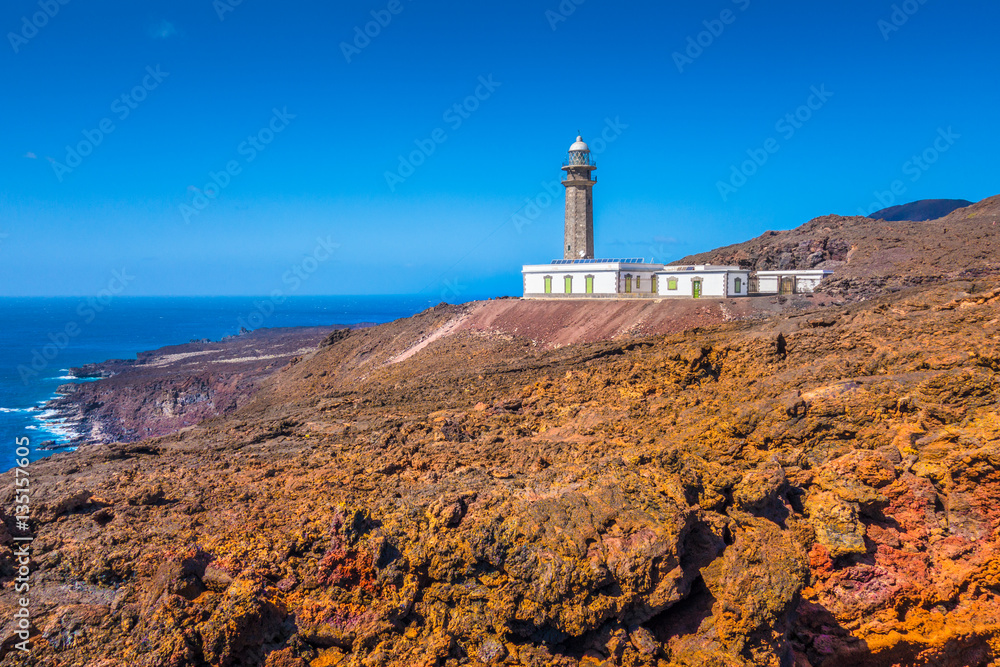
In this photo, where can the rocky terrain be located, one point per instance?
(925, 209)
(164, 390)
(873, 256)
(816, 488)
(783, 481)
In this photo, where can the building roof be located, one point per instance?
(592, 265)
(629, 263)
(797, 272)
(703, 268)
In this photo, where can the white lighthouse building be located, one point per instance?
(580, 276)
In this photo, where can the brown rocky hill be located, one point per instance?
(817, 488)
(988, 210)
(869, 256)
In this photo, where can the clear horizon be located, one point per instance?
(392, 147)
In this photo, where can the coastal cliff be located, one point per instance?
(813, 487)
(174, 387)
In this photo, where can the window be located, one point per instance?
(739, 285)
(590, 284)
(568, 282)
(672, 284)
(638, 282)
(548, 284)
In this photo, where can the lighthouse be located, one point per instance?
(579, 168)
(578, 275)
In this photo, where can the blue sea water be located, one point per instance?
(41, 338)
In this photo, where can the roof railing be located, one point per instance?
(627, 260)
(580, 159)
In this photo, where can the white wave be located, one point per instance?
(62, 432)
(61, 429)
(15, 409)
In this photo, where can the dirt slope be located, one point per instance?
(555, 323)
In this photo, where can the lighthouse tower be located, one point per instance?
(579, 184)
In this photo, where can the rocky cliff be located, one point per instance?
(162, 391)
(814, 488)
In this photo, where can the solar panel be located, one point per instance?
(625, 260)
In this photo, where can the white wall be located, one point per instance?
(534, 283)
(712, 284)
(604, 282)
(609, 279)
(744, 278)
(804, 283)
(645, 282)
(767, 284)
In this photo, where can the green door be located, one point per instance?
(569, 284)
(590, 284)
(739, 285)
(628, 284)
(548, 284)
(696, 289)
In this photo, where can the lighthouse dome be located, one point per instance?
(579, 146)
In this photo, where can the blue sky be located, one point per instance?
(303, 135)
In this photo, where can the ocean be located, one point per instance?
(42, 338)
